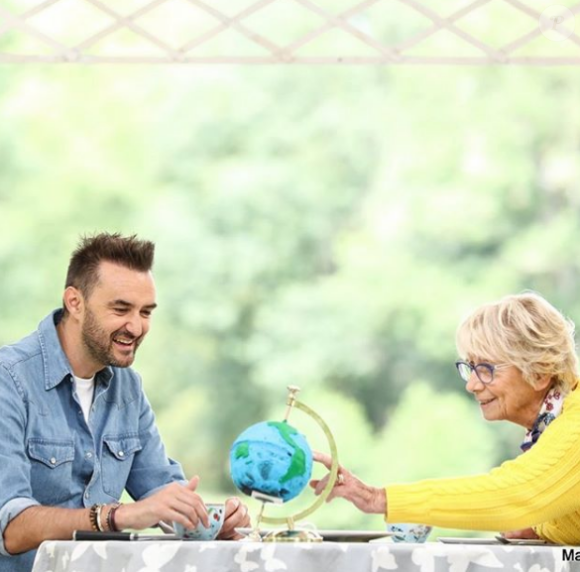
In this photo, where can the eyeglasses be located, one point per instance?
(485, 371)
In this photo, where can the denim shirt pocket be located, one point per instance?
(51, 464)
(116, 462)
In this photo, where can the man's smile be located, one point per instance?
(125, 342)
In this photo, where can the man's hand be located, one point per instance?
(236, 517)
(366, 498)
(173, 503)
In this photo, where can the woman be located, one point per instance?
(520, 364)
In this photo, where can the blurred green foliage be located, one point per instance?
(322, 227)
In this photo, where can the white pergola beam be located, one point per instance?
(274, 51)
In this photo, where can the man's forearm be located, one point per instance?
(39, 523)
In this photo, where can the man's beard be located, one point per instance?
(100, 344)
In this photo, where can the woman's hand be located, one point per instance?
(366, 498)
(526, 533)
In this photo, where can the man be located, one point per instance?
(76, 426)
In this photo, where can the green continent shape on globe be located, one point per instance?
(298, 460)
(242, 450)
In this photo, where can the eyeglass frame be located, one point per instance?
(473, 367)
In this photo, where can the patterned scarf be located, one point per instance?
(551, 408)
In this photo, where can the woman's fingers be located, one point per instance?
(322, 458)
(326, 460)
(319, 485)
(349, 487)
(523, 533)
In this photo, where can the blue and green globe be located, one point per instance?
(271, 458)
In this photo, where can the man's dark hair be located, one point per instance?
(127, 251)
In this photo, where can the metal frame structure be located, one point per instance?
(554, 27)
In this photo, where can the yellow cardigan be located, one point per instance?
(540, 489)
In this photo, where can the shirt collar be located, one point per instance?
(56, 365)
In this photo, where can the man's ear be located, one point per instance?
(73, 301)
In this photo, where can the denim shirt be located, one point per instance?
(49, 455)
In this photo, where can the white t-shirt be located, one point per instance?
(85, 389)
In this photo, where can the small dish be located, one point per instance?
(334, 535)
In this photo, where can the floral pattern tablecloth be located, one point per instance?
(178, 556)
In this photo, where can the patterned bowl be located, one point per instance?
(409, 532)
(216, 512)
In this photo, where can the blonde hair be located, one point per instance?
(526, 331)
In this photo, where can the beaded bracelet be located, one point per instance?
(95, 517)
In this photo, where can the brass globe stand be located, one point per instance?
(291, 533)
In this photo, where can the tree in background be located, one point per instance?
(321, 227)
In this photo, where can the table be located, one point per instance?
(179, 556)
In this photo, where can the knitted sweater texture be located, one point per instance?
(539, 488)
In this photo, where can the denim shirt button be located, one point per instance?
(52, 461)
(88, 455)
(121, 454)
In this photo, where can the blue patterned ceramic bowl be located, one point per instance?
(216, 512)
(409, 532)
